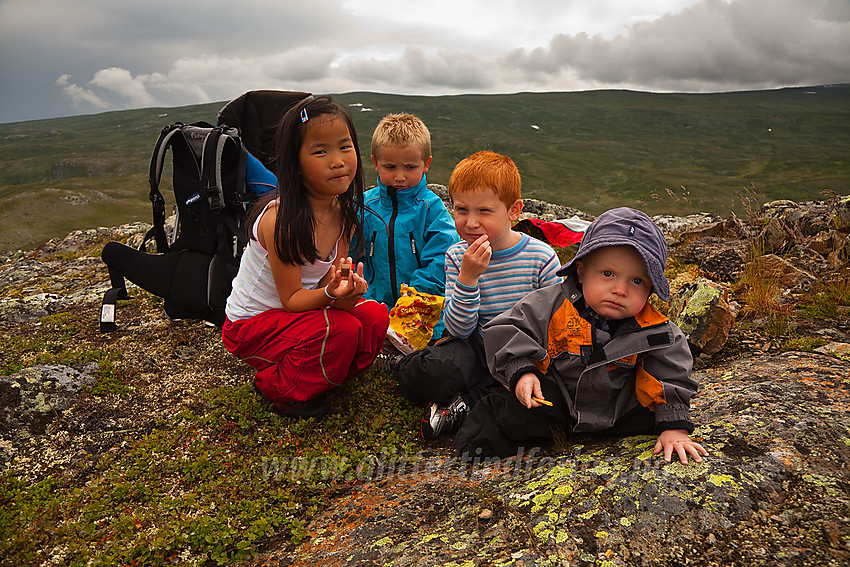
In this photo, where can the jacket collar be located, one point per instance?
(405, 197)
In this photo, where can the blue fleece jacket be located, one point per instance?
(407, 234)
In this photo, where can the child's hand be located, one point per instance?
(351, 285)
(678, 439)
(527, 388)
(475, 261)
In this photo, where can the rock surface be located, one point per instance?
(701, 309)
(37, 395)
(775, 489)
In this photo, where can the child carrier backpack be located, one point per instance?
(218, 171)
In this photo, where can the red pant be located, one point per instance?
(298, 356)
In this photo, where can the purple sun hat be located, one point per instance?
(628, 227)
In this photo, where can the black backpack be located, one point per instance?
(195, 265)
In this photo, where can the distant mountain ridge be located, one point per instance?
(665, 153)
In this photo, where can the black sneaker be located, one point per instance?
(315, 408)
(442, 419)
(388, 357)
(386, 362)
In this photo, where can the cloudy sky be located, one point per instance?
(64, 57)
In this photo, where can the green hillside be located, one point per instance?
(588, 150)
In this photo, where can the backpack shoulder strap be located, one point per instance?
(154, 176)
(215, 145)
(229, 208)
(166, 138)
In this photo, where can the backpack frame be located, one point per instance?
(193, 267)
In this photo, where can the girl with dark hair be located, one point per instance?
(296, 312)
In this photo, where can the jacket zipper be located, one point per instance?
(370, 256)
(391, 245)
(414, 250)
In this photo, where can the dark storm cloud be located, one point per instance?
(713, 45)
(61, 57)
(78, 50)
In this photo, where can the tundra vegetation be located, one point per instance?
(170, 457)
(590, 151)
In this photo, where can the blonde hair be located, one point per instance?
(484, 170)
(401, 130)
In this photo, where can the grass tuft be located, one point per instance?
(762, 288)
(828, 297)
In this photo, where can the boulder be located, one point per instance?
(823, 242)
(775, 237)
(674, 227)
(734, 228)
(781, 209)
(725, 265)
(701, 309)
(697, 251)
(773, 490)
(839, 256)
(841, 218)
(805, 257)
(702, 231)
(33, 397)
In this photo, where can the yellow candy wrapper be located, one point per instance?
(415, 315)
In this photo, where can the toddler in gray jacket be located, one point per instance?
(590, 354)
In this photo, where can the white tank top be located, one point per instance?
(253, 287)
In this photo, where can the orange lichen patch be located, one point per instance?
(372, 508)
(787, 456)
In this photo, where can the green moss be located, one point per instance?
(828, 296)
(210, 482)
(805, 344)
(61, 339)
(675, 267)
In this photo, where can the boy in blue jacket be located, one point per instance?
(407, 228)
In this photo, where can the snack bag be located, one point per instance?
(415, 315)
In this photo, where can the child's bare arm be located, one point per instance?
(678, 440)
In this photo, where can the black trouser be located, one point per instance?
(500, 426)
(440, 372)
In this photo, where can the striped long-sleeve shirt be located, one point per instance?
(512, 273)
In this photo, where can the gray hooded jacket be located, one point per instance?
(602, 378)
